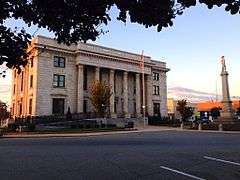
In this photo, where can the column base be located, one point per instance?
(139, 115)
(113, 115)
(127, 115)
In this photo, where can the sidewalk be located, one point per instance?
(138, 130)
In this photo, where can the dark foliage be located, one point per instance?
(81, 20)
(185, 111)
(165, 121)
(4, 113)
(215, 112)
(238, 111)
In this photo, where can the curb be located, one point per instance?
(112, 133)
(209, 131)
(80, 134)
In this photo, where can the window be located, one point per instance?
(58, 106)
(31, 81)
(22, 82)
(31, 63)
(85, 76)
(59, 61)
(115, 105)
(156, 109)
(13, 108)
(84, 106)
(20, 106)
(135, 107)
(30, 106)
(155, 76)
(58, 80)
(156, 90)
(14, 88)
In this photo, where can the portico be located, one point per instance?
(126, 90)
(62, 77)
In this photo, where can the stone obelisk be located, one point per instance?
(226, 113)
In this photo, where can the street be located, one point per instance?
(150, 155)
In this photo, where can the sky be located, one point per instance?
(192, 47)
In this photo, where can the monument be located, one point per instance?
(227, 111)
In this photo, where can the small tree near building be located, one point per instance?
(4, 113)
(185, 111)
(215, 112)
(238, 111)
(100, 97)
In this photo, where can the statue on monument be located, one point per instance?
(227, 111)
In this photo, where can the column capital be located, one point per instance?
(112, 70)
(80, 65)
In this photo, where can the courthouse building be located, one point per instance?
(59, 76)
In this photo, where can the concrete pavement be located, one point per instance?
(146, 155)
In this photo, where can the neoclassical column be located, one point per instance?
(112, 98)
(97, 74)
(138, 95)
(125, 94)
(149, 95)
(80, 89)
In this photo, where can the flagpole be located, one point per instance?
(143, 90)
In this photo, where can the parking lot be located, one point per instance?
(156, 155)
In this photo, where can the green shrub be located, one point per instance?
(157, 120)
(31, 127)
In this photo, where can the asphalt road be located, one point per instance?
(158, 155)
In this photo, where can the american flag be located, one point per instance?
(142, 63)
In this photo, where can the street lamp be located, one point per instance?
(144, 123)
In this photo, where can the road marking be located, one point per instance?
(182, 173)
(221, 160)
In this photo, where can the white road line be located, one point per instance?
(182, 173)
(221, 160)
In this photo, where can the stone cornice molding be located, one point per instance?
(100, 52)
(112, 58)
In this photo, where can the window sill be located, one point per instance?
(56, 87)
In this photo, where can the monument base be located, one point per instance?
(227, 120)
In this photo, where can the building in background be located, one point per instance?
(59, 76)
(172, 108)
(208, 105)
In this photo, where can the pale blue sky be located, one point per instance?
(192, 47)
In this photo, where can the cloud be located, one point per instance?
(5, 93)
(193, 95)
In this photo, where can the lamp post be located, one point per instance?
(144, 123)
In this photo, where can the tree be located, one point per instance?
(100, 97)
(238, 111)
(185, 111)
(215, 112)
(4, 113)
(82, 20)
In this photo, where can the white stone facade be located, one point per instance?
(84, 63)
